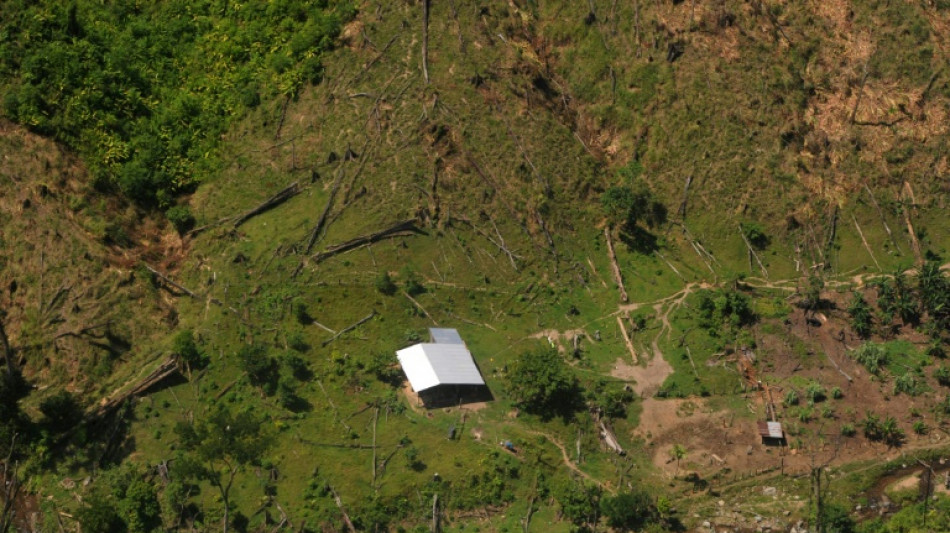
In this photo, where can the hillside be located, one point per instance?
(686, 217)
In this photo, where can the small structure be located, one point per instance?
(443, 371)
(771, 432)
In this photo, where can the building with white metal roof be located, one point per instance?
(429, 365)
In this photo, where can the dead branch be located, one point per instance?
(880, 213)
(7, 350)
(458, 26)
(375, 421)
(373, 61)
(752, 253)
(315, 232)
(915, 243)
(287, 193)
(616, 268)
(425, 40)
(501, 246)
(350, 327)
(168, 281)
(166, 369)
(419, 306)
(400, 229)
(339, 503)
(626, 340)
(865, 241)
(682, 209)
(10, 489)
(283, 116)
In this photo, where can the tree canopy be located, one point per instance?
(540, 383)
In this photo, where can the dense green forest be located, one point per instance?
(144, 90)
(655, 225)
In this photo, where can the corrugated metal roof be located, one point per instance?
(772, 430)
(429, 365)
(445, 336)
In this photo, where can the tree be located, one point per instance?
(540, 383)
(625, 206)
(628, 510)
(61, 411)
(580, 502)
(755, 234)
(187, 350)
(861, 319)
(223, 444)
(385, 284)
(262, 369)
(677, 453)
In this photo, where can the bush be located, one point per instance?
(188, 352)
(540, 383)
(907, 384)
(628, 510)
(942, 375)
(873, 356)
(180, 217)
(791, 398)
(61, 411)
(262, 370)
(815, 392)
(848, 430)
(836, 393)
(385, 284)
(861, 318)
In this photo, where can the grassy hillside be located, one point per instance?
(798, 156)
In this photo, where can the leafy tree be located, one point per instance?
(677, 453)
(835, 519)
(755, 234)
(628, 510)
(934, 289)
(180, 217)
(728, 308)
(611, 401)
(905, 303)
(98, 513)
(61, 411)
(539, 382)
(262, 369)
(184, 345)
(861, 318)
(625, 206)
(580, 502)
(812, 300)
(222, 444)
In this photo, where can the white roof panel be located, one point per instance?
(430, 364)
(445, 336)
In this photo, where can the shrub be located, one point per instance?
(61, 411)
(848, 430)
(942, 375)
(540, 383)
(861, 318)
(791, 398)
(815, 392)
(836, 393)
(907, 384)
(180, 217)
(628, 510)
(873, 356)
(184, 345)
(385, 285)
(920, 428)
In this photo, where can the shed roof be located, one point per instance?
(429, 365)
(445, 336)
(771, 430)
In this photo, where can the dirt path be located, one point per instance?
(567, 460)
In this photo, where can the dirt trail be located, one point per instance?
(567, 460)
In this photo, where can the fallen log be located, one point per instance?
(626, 340)
(418, 305)
(287, 193)
(339, 503)
(107, 406)
(315, 232)
(425, 40)
(400, 229)
(865, 241)
(616, 268)
(350, 327)
(752, 253)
